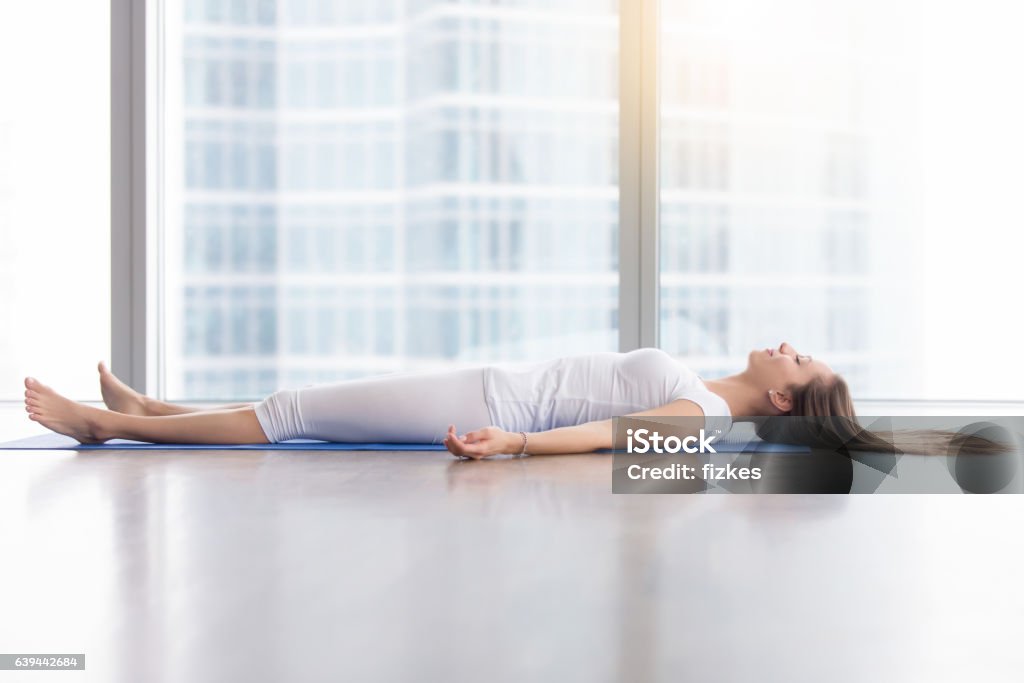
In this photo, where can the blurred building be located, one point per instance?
(788, 177)
(381, 186)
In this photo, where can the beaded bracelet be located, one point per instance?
(522, 453)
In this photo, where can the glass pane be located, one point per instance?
(821, 184)
(366, 187)
(54, 195)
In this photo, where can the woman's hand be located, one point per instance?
(481, 443)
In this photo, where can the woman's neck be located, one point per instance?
(741, 397)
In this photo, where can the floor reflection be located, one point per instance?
(212, 566)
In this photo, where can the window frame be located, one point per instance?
(137, 67)
(137, 282)
(136, 61)
(639, 177)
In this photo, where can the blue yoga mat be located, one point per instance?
(49, 442)
(56, 442)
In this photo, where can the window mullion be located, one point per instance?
(134, 134)
(638, 175)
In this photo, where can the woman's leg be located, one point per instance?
(402, 408)
(94, 425)
(411, 407)
(121, 398)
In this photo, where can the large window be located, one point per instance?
(365, 187)
(54, 194)
(837, 175)
(359, 187)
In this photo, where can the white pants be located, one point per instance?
(398, 408)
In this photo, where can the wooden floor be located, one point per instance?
(291, 566)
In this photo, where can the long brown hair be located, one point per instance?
(832, 423)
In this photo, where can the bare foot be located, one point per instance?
(62, 415)
(118, 396)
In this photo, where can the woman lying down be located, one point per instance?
(564, 405)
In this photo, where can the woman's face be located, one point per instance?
(778, 368)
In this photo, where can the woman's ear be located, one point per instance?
(781, 400)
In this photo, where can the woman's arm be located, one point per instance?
(582, 438)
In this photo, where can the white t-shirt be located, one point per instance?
(572, 390)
